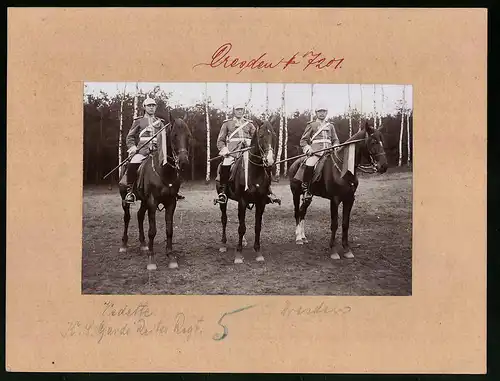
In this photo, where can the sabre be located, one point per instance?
(138, 149)
(236, 151)
(321, 150)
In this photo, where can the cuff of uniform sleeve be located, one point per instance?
(132, 148)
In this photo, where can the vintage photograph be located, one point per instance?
(247, 188)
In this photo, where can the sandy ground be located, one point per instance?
(380, 237)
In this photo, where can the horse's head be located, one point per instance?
(263, 142)
(180, 138)
(375, 147)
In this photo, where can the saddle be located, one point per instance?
(139, 182)
(232, 171)
(318, 168)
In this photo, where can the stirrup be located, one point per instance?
(306, 193)
(273, 199)
(130, 198)
(222, 199)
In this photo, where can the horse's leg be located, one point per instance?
(259, 212)
(302, 215)
(169, 226)
(334, 215)
(126, 221)
(141, 213)
(223, 218)
(151, 235)
(346, 215)
(241, 231)
(296, 206)
(303, 231)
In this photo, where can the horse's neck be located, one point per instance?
(338, 157)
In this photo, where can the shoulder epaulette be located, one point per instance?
(138, 117)
(227, 120)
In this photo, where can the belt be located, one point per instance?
(321, 141)
(239, 139)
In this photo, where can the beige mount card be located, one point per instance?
(440, 327)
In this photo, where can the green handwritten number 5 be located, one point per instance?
(219, 336)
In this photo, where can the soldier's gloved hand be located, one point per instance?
(308, 150)
(132, 151)
(224, 152)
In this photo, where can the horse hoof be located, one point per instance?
(151, 266)
(299, 242)
(335, 256)
(349, 254)
(222, 249)
(122, 250)
(260, 258)
(144, 248)
(238, 261)
(173, 265)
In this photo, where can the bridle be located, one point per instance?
(262, 153)
(175, 155)
(372, 168)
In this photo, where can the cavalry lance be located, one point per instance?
(230, 153)
(138, 149)
(321, 150)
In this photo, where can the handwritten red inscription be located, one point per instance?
(307, 61)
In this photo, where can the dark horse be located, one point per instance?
(260, 161)
(332, 186)
(158, 184)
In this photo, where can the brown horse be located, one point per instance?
(338, 189)
(158, 184)
(260, 161)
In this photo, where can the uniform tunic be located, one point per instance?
(143, 128)
(318, 135)
(233, 137)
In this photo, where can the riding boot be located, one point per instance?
(308, 173)
(224, 179)
(131, 178)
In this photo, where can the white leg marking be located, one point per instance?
(298, 235)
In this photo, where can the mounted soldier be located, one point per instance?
(143, 128)
(235, 134)
(319, 134)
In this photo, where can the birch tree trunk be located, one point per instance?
(401, 129)
(267, 101)
(285, 145)
(381, 104)
(312, 95)
(227, 100)
(408, 137)
(207, 178)
(350, 110)
(247, 111)
(280, 136)
(360, 108)
(120, 134)
(136, 101)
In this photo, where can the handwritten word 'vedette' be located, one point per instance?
(310, 60)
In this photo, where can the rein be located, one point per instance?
(174, 157)
(262, 154)
(363, 168)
